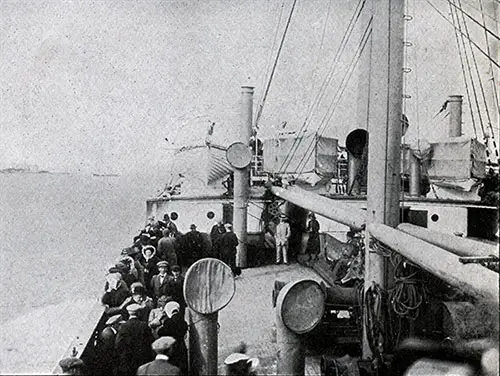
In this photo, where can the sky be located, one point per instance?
(97, 86)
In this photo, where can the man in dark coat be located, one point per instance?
(133, 343)
(161, 365)
(194, 245)
(175, 288)
(228, 244)
(106, 353)
(215, 236)
(167, 250)
(159, 282)
(313, 243)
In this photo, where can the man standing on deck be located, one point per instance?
(282, 236)
(161, 365)
(313, 245)
(194, 245)
(133, 343)
(159, 282)
(228, 244)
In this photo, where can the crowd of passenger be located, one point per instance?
(144, 302)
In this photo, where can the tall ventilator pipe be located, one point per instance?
(455, 106)
(241, 179)
(415, 175)
(208, 287)
(299, 309)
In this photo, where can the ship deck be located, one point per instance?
(250, 316)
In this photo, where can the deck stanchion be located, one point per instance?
(299, 309)
(208, 287)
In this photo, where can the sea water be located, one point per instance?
(59, 233)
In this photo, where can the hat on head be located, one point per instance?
(162, 344)
(171, 308)
(176, 268)
(114, 319)
(136, 287)
(150, 247)
(162, 264)
(235, 358)
(145, 235)
(68, 364)
(228, 225)
(193, 226)
(133, 309)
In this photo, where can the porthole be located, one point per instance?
(174, 216)
(210, 215)
(434, 218)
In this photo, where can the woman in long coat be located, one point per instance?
(173, 325)
(149, 260)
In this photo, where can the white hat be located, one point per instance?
(171, 308)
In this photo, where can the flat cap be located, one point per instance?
(162, 344)
(68, 364)
(162, 263)
(176, 268)
(133, 308)
(114, 319)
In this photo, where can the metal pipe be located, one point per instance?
(414, 175)
(473, 279)
(241, 179)
(299, 309)
(203, 342)
(455, 106)
(354, 165)
(384, 127)
(454, 244)
(326, 207)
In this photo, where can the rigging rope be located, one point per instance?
(481, 123)
(259, 113)
(475, 44)
(482, 93)
(486, 14)
(270, 58)
(486, 30)
(332, 69)
(494, 86)
(464, 75)
(336, 100)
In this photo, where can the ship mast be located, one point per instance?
(384, 129)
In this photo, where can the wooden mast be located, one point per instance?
(384, 129)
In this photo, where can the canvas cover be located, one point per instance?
(200, 166)
(292, 154)
(459, 158)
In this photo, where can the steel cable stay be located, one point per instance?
(494, 87)
(482, 92)
(468, 64)
(266, 92)
(485, 14)
(474, 43)
(464, 74)
(464, 13)
(345, 39)
(270, 58)
(338, 95)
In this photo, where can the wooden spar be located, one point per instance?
(326, 207)
(473, 279)
(458, 246)
(384, 135)
(241, 179)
